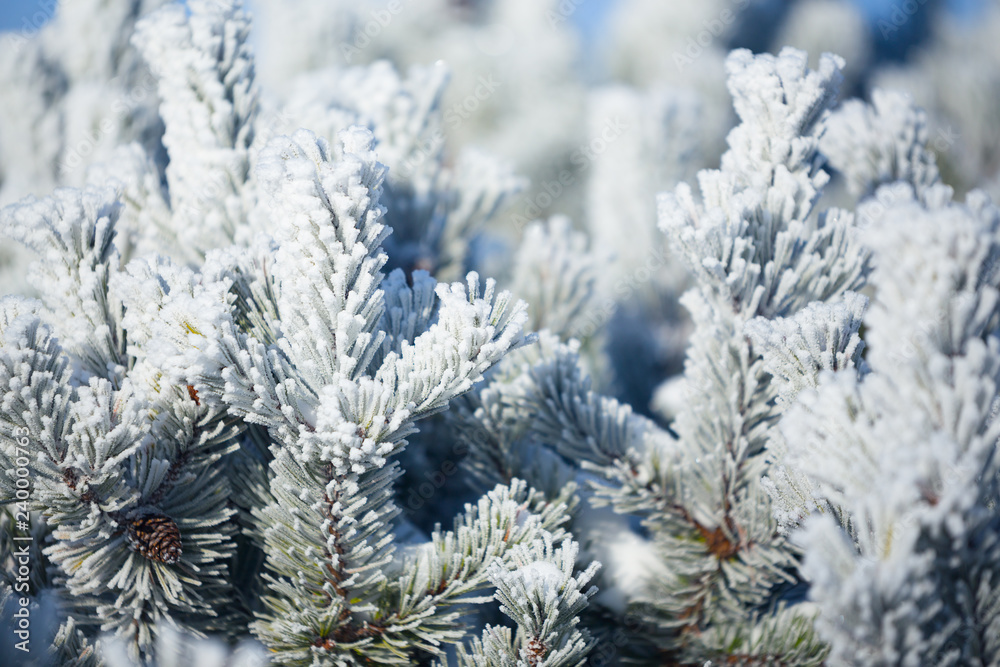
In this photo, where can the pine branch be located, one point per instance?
(74, 234)
(208, 94)
(538, 590)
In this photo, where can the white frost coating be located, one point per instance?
(880, 143)
(906, 458)
(658, 139)
(73, 234)
(555, 274)
(538, 591)
(820, 337)
(756, 249)
(539, 575)
(204, 69)
(956, 78)
(514, 90)
(264, 397)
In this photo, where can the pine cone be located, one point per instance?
(155, 537)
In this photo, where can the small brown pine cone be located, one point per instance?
(155, 537)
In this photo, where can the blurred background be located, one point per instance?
(16, 14)
(593, 107)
